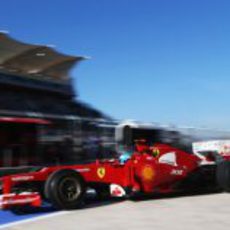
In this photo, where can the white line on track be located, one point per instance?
(33, 219)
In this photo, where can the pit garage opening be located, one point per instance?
(18, 141)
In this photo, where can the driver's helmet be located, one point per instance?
(125, 153)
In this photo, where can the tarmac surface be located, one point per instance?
(195, 211)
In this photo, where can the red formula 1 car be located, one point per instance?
(158, 169)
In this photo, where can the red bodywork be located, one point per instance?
(144, 172)
(24, 120)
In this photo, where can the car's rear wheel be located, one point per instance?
(65, 189)
(223, 175)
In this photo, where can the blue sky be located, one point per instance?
(152, 60)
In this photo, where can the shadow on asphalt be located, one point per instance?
(175, 195)
(90, 202)
(94, 202)
(45, 209)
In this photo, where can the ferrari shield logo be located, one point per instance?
(101, 172)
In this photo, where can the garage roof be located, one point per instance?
(35, 60)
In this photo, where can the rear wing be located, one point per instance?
(220, 147)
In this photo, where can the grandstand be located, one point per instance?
(35, 83)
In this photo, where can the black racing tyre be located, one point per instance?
(223, 175)
(65, 189)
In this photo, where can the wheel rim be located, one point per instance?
(70, 189)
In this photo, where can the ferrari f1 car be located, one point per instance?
(150, 169)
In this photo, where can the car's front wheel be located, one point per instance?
(65, 189)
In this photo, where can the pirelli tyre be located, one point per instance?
(223, 175)
(65, 189)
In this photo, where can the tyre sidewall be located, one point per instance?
(223, 175)
(53, 192)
